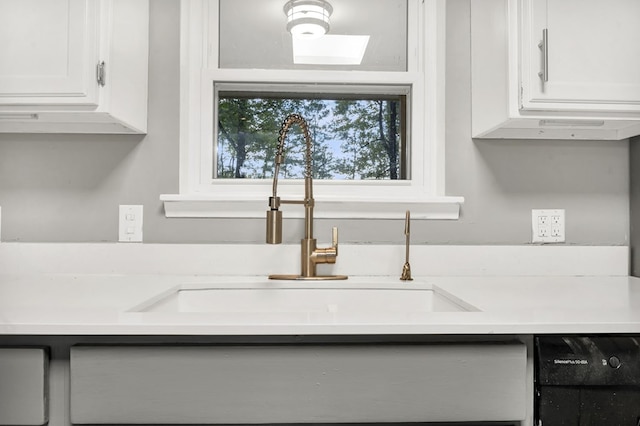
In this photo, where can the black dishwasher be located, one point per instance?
(587, 380)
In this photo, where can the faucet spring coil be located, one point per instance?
(282, 135)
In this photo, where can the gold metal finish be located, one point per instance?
(310, 254)
(406, 268)
(274, 226)
(293, 277)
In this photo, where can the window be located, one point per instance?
(231, 59)
(354, 138)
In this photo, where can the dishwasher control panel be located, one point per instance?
(587, 380)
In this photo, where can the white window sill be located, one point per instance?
(199, 206)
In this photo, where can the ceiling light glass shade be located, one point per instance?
(308, 18)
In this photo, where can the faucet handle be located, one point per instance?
(327, 254)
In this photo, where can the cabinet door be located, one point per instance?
(23, 386)
(581, 54)
(297, 384)
(48, 52)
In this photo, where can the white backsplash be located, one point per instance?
(353, 259)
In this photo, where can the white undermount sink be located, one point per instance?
(351, 297)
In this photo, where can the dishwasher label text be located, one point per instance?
(571, 361)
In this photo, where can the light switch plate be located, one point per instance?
(130, 229)
(547, 226)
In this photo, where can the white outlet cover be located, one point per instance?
(130, 223)
(546, 230)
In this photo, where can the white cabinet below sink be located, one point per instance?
(269, 384)
(23, 386)
(555, 70)
(74, 66)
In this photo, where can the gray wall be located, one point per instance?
(67, 188)
(634, 210)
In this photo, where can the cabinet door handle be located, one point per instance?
(544, 46)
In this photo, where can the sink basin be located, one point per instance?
(273, 297)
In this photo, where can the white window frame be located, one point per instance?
(202, 196)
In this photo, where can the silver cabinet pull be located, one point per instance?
(544, 46)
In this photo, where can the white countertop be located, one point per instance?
(85, 304)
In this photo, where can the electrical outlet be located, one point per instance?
(547, 226)
(543, 226)
(130, 229)
(557, 226)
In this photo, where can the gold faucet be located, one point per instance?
(310, 254)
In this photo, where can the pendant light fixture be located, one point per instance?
(308, 19)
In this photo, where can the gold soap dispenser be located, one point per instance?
(406, 268)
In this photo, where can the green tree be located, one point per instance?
(245, 132)
(352, 139)
(388, 133)
(368, 131)
(248, 136)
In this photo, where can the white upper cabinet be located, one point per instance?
(592, 58)
(73, 66)
(555, 69)
(47, 52)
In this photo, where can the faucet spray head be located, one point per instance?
(274, 226)
(274, 221)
